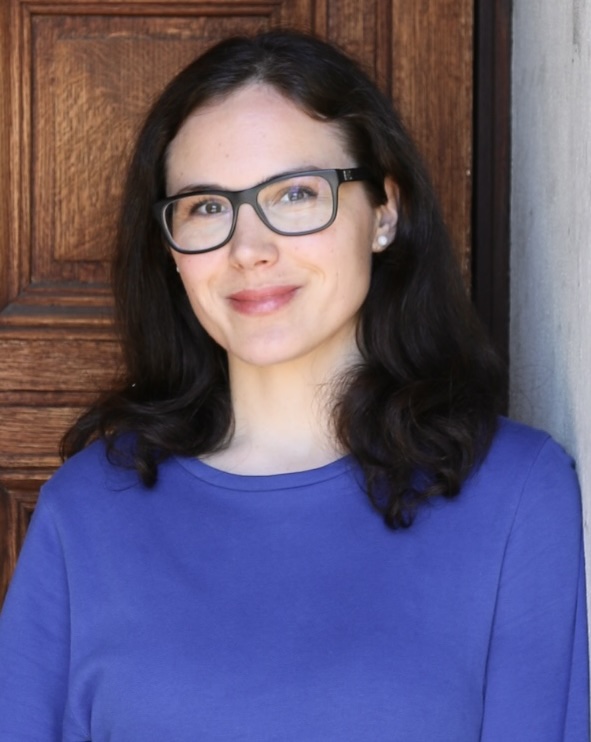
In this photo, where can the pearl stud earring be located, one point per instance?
(382, 240)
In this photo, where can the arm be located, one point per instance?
(34, 638)
(537, 673)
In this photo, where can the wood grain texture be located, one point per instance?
(44, 365)
(17, 502)
(30, 435)
(367, 35)
(5, 116)
(432, 83)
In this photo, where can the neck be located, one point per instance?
(283, 416)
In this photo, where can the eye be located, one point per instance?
(206, 206)
(296, 194)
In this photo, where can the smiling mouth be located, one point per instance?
(262, 301)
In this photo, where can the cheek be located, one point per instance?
(209, 317)
(197, 279)
(351, 274)
(197, 272)
(354, 254)
(359, 266)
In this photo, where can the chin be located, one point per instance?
(266, 354)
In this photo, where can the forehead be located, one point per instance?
(249, 136)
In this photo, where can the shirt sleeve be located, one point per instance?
(537, 682)
(34, 638)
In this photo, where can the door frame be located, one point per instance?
(491, 197)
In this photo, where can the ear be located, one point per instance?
(386, 217)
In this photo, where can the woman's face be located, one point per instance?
(267, 298)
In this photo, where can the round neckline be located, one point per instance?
(265, 482)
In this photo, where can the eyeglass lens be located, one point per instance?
(293, 205)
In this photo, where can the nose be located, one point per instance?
(253, 243)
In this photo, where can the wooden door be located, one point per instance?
(75, 78)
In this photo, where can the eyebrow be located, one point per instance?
(216, 187)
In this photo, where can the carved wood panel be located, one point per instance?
(17, 502)
(75, 80)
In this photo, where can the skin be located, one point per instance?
(284, 308)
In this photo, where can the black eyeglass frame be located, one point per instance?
(334, 177)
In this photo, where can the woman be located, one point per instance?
(298, 516)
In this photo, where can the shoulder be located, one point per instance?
(92, 471)
(519, 452)
(525, 469)
(519, 444)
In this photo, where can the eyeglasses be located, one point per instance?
(295, 204)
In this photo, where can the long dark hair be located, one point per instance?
(420, 409)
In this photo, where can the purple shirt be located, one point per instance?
(280, 608)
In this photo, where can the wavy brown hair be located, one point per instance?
(421, 408)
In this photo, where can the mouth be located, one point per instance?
(262, 301)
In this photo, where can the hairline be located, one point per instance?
(258, 79)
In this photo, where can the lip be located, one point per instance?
(262, 300)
